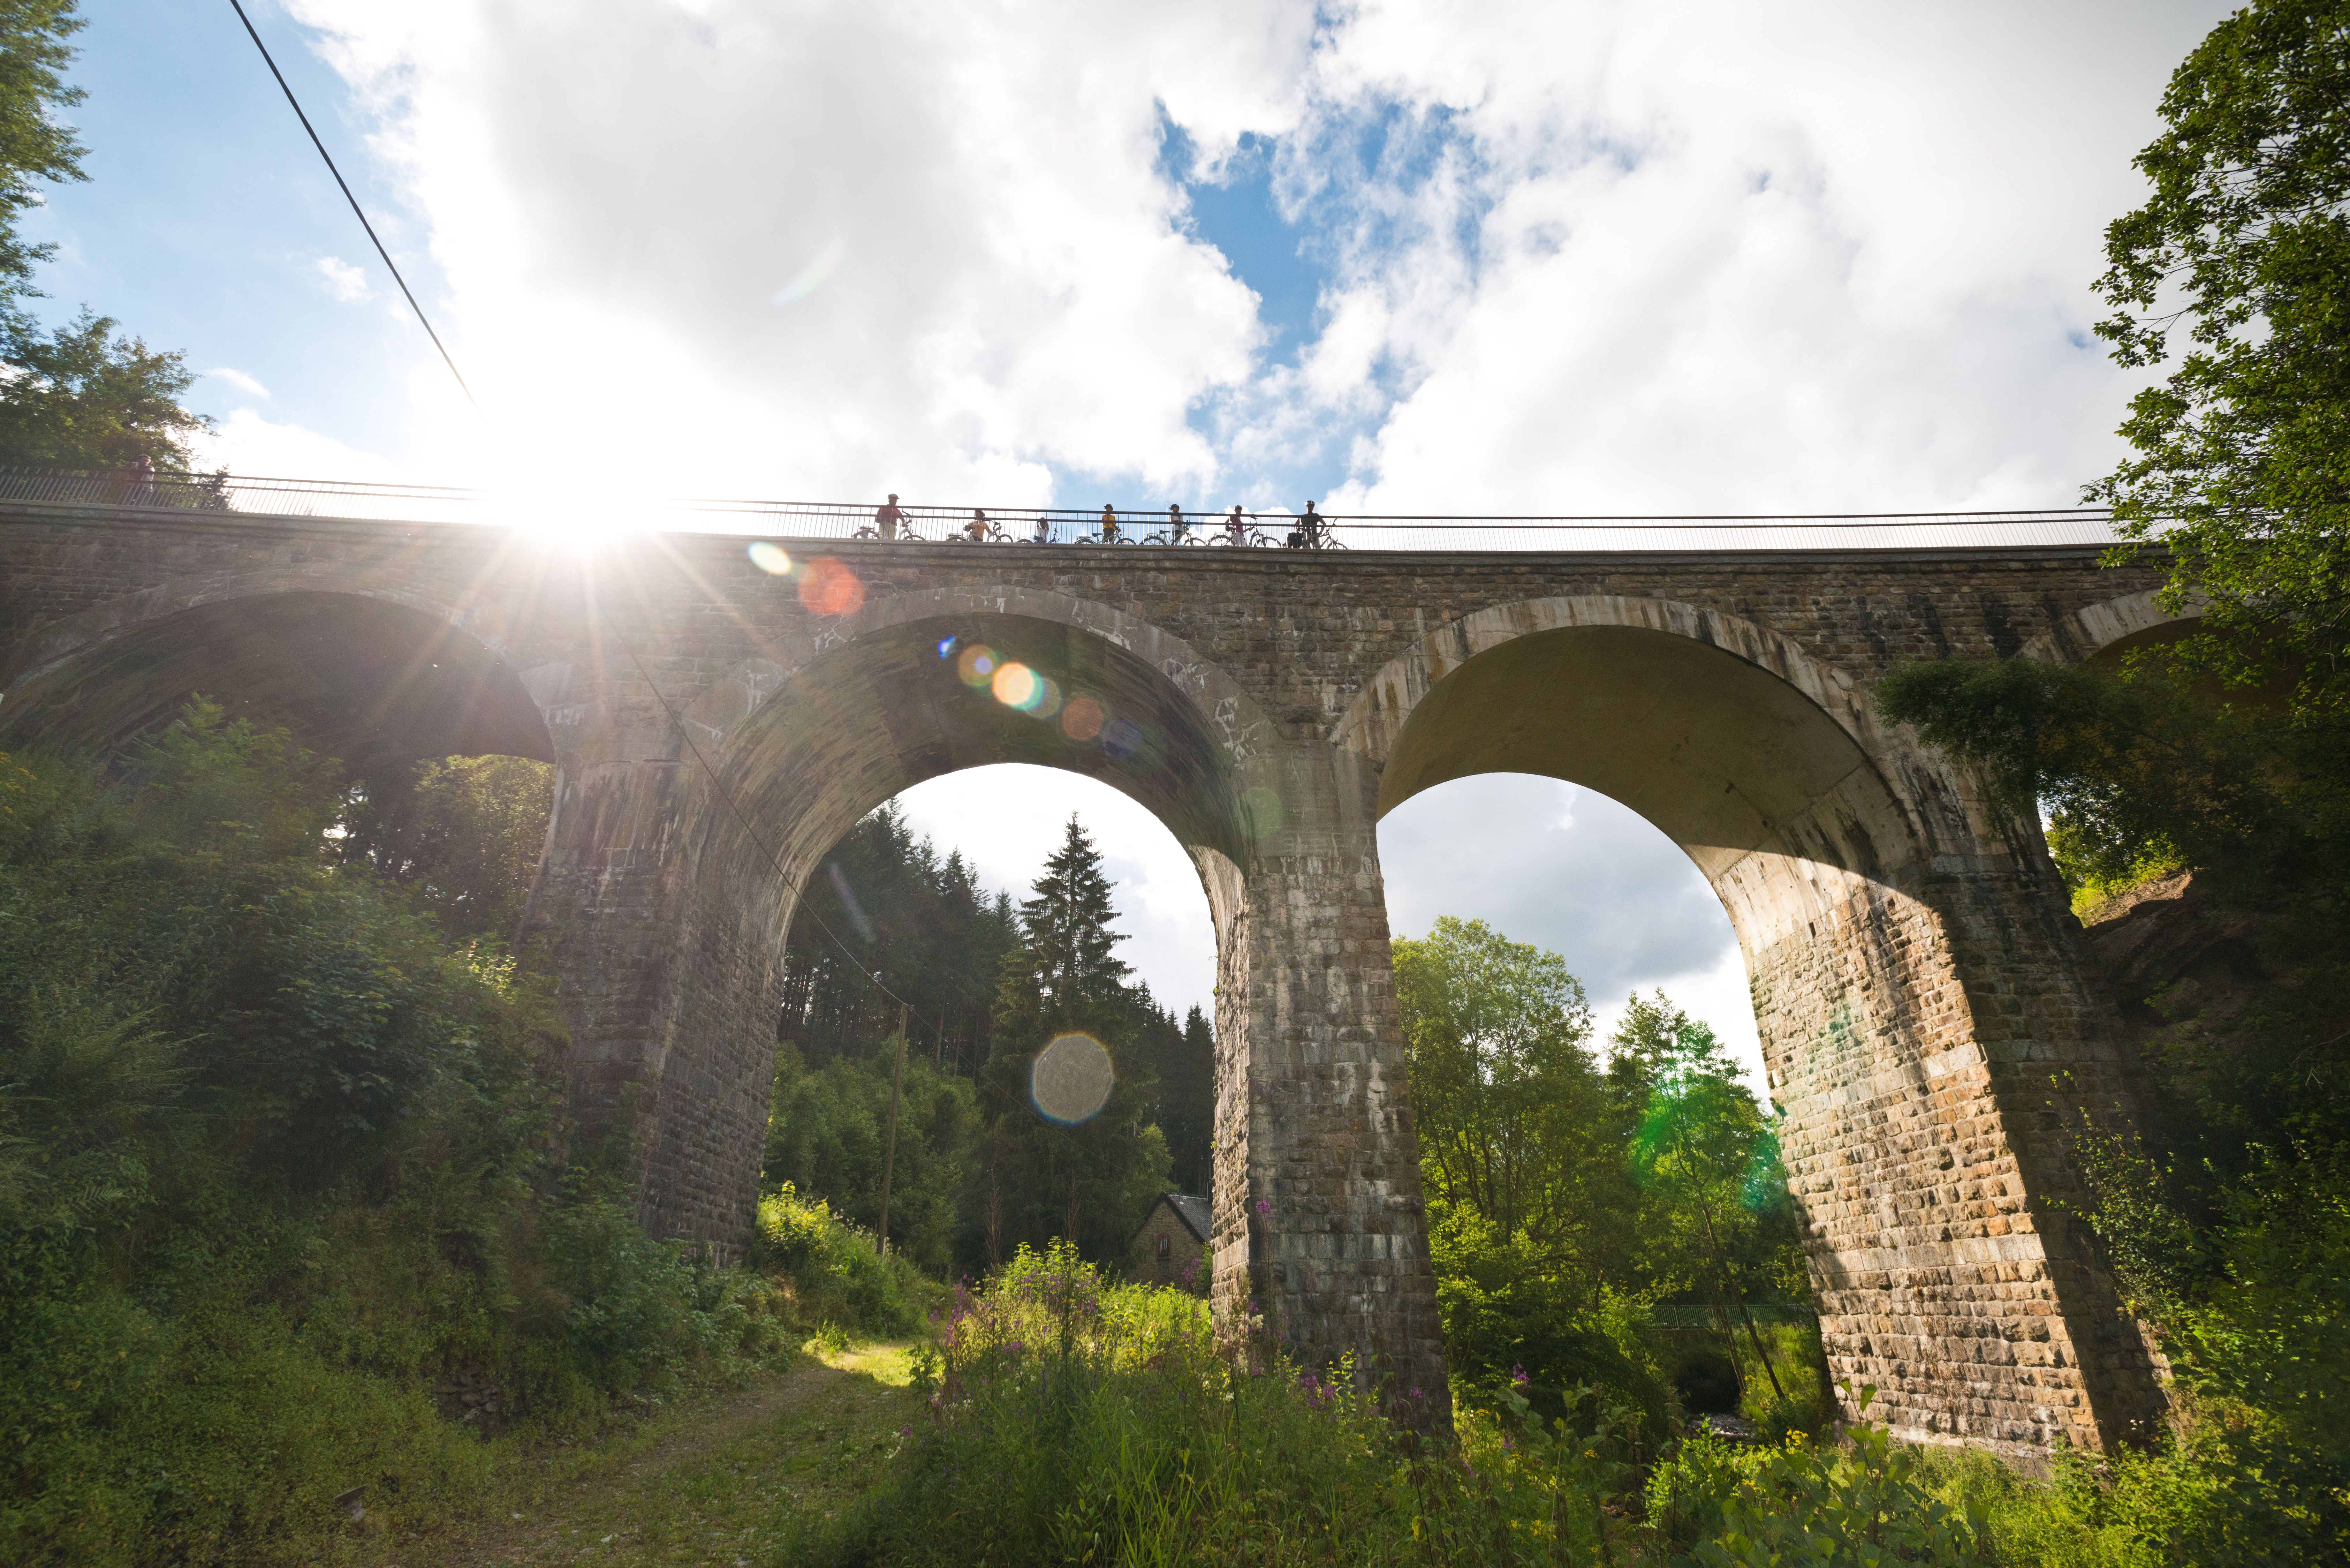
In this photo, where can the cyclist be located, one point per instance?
(1236, 528)
(886, 520)
(977, 526)
(1110, 525)
(1310, 526)
(1043, 534)
(1178, 530)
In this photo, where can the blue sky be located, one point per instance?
(1676, 256)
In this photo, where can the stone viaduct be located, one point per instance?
(1926, 1022)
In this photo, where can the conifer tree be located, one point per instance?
(1066, 977)
(1069, 949)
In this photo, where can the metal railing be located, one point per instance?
(816, 521)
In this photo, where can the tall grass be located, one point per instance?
(1074, 1421)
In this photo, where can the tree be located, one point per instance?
(465, 833)
(1184, 1061)
(83, 397)
(2243, 464)
(883, 903)
(1090, 1181)
(79, 397)
(1708, 1158)
(1529, 1208)
(1512, 1124)
(1069, 946)
(34, 144)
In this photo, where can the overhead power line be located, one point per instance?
(356, 210)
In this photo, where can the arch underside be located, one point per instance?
(366, 680)
(872, 717)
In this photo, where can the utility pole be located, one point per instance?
(889, 1145)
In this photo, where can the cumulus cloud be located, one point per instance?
(344, 281)
(247, 443)
(629, 204)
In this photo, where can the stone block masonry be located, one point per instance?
(1929, 1025)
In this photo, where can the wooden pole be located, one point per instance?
(889, 1145)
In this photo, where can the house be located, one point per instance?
(1172, 1248)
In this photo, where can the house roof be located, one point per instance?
(1193, 1211)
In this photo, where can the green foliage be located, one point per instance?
(1183, 1062)
(1076, 1421)
(35, 142)
(827, 1130)
(2142, 772)
(2242, 462)
(272, 1158)
(81, 397)
(1091, 1182)
(837, 1281)
(463, 833)
(1775, 1507)
(920, 922)
(1513, 1124)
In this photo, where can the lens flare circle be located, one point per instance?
(770, 559)
(975, 667)
(1017, 686)
(1122, 738)
(1070, 1080)
(829, 588)
(1082, 718)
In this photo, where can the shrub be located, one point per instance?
(274, 1157)
(836, 1273)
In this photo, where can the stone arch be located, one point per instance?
(1907, 973)
(2109, 630)
(370, 674)
(1758, 760)
(790, 749)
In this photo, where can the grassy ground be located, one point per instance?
(712, 1480)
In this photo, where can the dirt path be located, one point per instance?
(715, 1481)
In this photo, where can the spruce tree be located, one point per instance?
(1069, 945)
(1067, 978)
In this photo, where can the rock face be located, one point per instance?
(1927, 1022)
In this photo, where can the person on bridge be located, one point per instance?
(1236, 528)
(1178, 530)
(1110, 525)
(1043, 534)
(1307, 534)
(977, 526)
(886, 520)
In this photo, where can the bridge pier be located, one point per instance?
(1318, 1224)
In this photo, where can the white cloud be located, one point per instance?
(247, 443)
(344, 281)
(1012, 287)
(250, 386)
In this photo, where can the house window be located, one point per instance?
(1166, 1248)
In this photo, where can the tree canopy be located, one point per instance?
(2241, 470)
(36, 145)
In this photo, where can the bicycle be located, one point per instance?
(991, 532)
